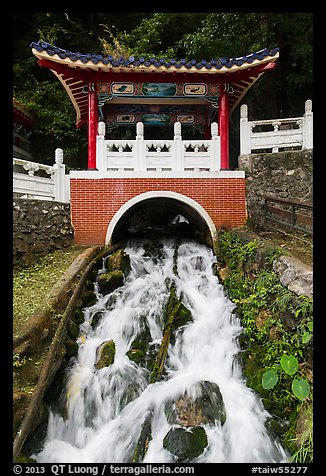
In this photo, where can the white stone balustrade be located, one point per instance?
(141, 155)
(29, 185)
(276, 134)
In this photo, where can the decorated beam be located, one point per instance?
(72, 68)
(92, 80)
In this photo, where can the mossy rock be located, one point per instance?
(182, 317)
(186, 444)
(105, 354)
(151, 355)
(22, 458)
(71, 347)
(139, 349)
(143, 440)
(175, 315)
(276, 426)
(118, 261)
(136, 355)
(108, 282)
(89, 298)
(96, 318)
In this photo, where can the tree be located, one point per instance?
(168, 35)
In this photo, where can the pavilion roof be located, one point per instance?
(76, 70)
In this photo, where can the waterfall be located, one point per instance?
(105, 411)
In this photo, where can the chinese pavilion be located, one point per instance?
(113, 96)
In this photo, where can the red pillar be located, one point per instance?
(223, 126)
(92, 126)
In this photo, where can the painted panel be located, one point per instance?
(122, 88)
(156, 118)
(159, 89)
(125, 118)
(194, 89)
(186, 118)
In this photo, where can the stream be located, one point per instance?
(118, 414)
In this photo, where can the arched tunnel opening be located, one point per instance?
(161, 216)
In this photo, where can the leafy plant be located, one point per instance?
(300, 388)
(290, 365)
(269, 379)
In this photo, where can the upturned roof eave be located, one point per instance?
(76, 73)
(131, 68)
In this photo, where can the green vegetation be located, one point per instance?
(31, 284)
(277, 345)
(159, 35)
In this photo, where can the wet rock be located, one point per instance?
(108, 282)
(276, 426)
(143, 440)
(118, 261)
(89, 298)
(71, 347)
(142, 351)
(186, 444)
(105, 354)
(175, 315)
(207, 408)
(96, 318)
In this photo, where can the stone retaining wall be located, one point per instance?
(283, 174)
(39, 226)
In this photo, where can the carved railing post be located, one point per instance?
(59, 176)
(215, 164)
(308, 126)
(178, 159)
(245, 131)
(101, 158)
(140, 148)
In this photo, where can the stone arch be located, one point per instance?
(189, 208)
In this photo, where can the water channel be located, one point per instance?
(106, 412)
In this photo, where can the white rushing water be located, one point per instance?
(101, 426)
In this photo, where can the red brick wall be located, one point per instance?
(95, 201)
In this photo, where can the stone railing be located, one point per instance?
(28, 181)
(141, 155)
(275, 135)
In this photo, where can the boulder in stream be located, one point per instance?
(108, 282)
(105, 354)
(118, 261)
(206, 408)
(187, 439)
(186, 444)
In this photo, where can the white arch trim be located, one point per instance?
(161, 194)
